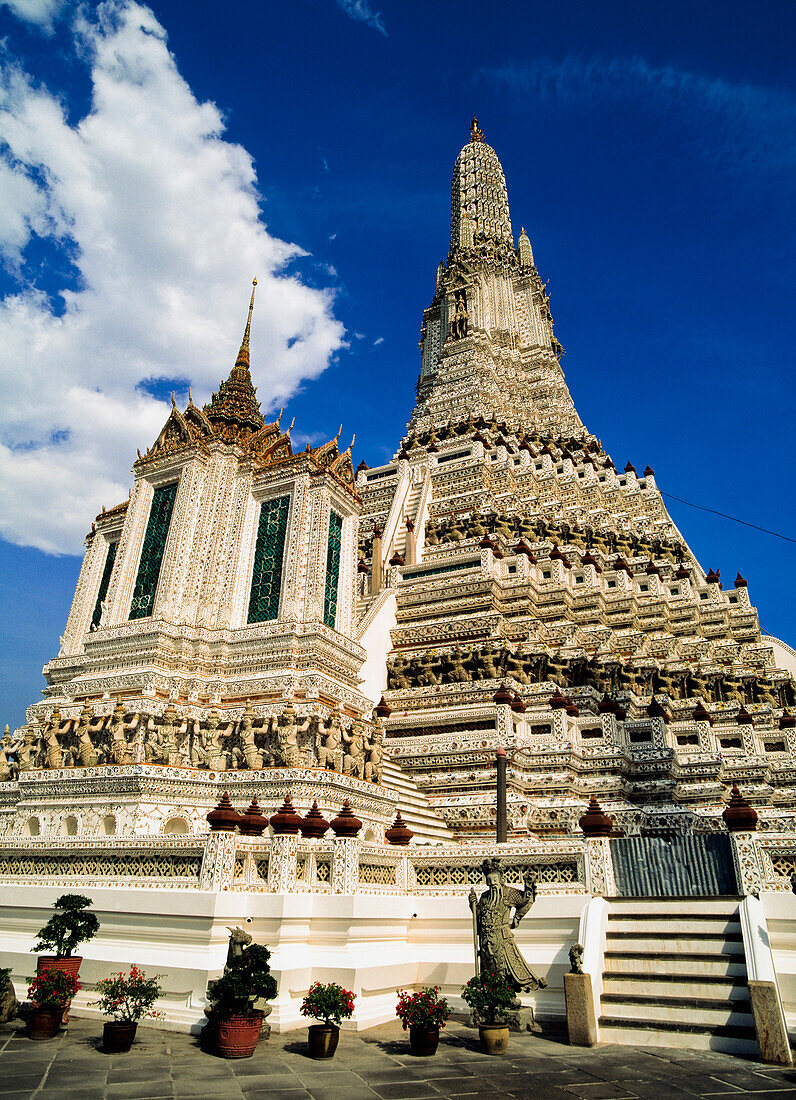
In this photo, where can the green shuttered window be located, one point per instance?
(332, 569)
(157, 530)
(269, 553)
(110, 558)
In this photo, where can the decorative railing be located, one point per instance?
(292, 864)
(288, 864)
(115, 861)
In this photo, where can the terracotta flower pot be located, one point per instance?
(423, 1041)
(237, 1036)
(323, 1040)
(118, 1036)
(494, 1038)
(70, 964)
(44, 1023)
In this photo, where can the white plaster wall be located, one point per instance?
(373, 944)
(784, 655)
(377, 643)
(780, 910)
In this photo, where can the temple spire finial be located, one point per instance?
(475, 133)
(243, 354)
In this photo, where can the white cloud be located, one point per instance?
(361, 12)
(739, 126)
(377, 341)
(41, 12)
(158, 216)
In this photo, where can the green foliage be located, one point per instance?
(246, 979)
(489, 995)
(128, 998)
(53, 988)
(424, 1009)
(330, 1003)
(70, 926)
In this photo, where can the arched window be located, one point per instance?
(176, 826)
(109, 825)
(69, 826)
(32, 827)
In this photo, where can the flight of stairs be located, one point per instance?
(427, 826)
(410, 512)
(675, 975)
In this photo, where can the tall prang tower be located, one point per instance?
(518, 590)
(487, 344)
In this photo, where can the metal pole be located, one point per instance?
(473, 902)
(501, 828)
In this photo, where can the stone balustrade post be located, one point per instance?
(218, 862)
(282, 864)
(600, 880)
(747, 856)
(345, 864)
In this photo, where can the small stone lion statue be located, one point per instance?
(576, 959)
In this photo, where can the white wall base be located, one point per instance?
(373, 944)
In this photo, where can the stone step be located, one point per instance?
(678, 1010)
(670, 943)
(711, 924)
(699, 986)
(730, 1040)
(421, 818)
(681, 965)
(665, 906)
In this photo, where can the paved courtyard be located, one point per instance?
(374, 1063)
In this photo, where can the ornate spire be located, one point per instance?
(235, 411)
(243, 355)
(479, 201)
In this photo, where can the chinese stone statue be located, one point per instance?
(497, 951)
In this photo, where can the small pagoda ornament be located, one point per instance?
(346, 824)
(314, 825)
(399, 832)
(594, 822)
(286, 822)
(739, 816)
(253, 821)
(224, 818)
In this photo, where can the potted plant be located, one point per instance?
(49, 992)
(235, 1022)
(489, 995)
(424, 1013)
(127, 998)
(70, 925)
(330, 1003)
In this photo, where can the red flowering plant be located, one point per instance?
(53, 989)
(330, 1003)
(128, 998)
(425, 1009)
(490, 996)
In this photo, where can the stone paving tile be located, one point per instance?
(407, 1090)
(600, 1090)
(139, 1090)
(260, 1082)
(373, 1064)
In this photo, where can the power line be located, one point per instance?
(724, 515)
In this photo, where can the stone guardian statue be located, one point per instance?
(497, 950)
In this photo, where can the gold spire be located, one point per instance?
(234, 410)
(475, 133)
(243, 355)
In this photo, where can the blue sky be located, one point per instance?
(153, 158)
